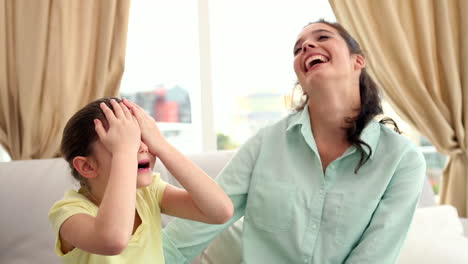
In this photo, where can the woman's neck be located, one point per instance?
(328, 123)
(330, 107)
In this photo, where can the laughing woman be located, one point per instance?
(326, 185)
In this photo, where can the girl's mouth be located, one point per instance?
(144, 165)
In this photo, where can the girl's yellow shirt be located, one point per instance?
(145, 245)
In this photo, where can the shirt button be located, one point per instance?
(305, 260)
(314, 226)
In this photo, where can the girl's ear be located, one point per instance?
(359, 62)
(85, 166)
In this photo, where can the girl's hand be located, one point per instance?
(124, 133)
(150, 133)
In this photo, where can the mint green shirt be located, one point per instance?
(296, 213)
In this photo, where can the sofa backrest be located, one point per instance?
(427, 196)
(29, 188)
(211, 162)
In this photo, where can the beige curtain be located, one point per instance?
(55, 56)
(418, 52)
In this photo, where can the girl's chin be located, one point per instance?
(144, 178)
(144, 171)
(144, 183)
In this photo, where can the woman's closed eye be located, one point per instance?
(320, 38)
(297, 50)
(323, 37)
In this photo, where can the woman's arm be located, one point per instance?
(203, 199)
(382, 240)
(183, 240)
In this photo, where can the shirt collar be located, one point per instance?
(300, 118)
(370, 134)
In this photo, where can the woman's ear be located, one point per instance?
(85, 166)
(359, 62)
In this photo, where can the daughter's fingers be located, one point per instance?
(107, 112)
(135, 119)
(101, 132)
(136, 113)
(117, 109)
(125, 110)
(140, 108)
(133, 105)
(130, 105)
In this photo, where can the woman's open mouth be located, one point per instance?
(315, 61)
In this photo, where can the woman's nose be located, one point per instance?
(143, 147)
(308, 45)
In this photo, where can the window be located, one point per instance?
(252, 71)
(245, 51)
(162, 67)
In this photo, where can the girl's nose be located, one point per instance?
(143, 147)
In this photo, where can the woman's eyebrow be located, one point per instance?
(312, 33)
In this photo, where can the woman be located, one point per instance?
(327, 184)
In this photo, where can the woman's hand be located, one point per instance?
(150, 133)
(123, 134)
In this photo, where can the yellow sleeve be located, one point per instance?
(70, 205)
(159, 187)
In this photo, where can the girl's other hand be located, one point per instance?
(150, 133)
(124, 132)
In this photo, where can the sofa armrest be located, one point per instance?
(464, 222)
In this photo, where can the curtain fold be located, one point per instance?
(55, 56)
(418, 53)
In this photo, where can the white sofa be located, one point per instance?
(30, 187)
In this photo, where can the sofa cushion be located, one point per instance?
(28, 190)
(464, 222)
(435, 236)
(438, 220)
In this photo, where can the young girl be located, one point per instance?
(111, 146)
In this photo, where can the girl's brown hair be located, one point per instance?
(79, 134)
